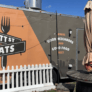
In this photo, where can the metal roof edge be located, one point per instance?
(40, 11)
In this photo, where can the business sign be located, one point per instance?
(14, 48)
(10, 45)
(61, 39)
(4, 38)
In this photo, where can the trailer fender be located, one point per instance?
(57, 72)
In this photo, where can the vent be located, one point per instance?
(33, 4)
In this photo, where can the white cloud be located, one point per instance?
(49, 6)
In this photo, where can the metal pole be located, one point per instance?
(57, 45)
(50, 51)
(76, 64)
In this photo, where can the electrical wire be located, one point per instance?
(36, 45)
(40, 42)
(26, 25)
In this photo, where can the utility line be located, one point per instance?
(40, 42)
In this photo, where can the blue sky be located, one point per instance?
(69, 7)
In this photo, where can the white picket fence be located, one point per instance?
(27, 78)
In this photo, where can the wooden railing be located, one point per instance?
(27, 78)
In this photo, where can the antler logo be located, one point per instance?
(5, 25)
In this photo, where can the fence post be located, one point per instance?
(8, 78)
(47, 74)
(44, 73)
(12, 76)
(21, 78)
(16, 77)
(25, 78)
(40, 74)
(3, 78)
(29, 76)
(33, 75)
(36, 66)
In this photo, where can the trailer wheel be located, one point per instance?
(83, 87)
(54, 76)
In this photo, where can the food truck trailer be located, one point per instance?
(28, 36)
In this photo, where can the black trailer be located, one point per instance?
(70, 40)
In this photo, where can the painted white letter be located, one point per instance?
(5, 39)
(7, 49)
(12, 48)
(1, 50)
(1, 38)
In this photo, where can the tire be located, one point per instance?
(83, 87)
(54, 76)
